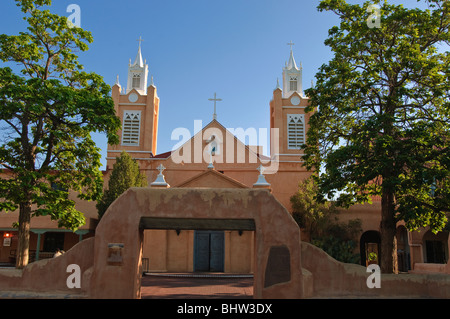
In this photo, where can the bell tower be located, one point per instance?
(137, 106)
(287, 114)
(292, 76)
(138, 73)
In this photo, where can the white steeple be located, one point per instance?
(292, 76)
(138, 60)
(291, 64)
(138, 73)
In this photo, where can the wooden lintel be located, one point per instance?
(196, 223)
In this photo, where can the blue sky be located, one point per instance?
(236, 48)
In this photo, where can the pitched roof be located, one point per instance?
(258, 155)
(212, 179)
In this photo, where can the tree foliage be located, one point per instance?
(383, 115)
(47, 113)
(310, 214)
(320, 221)
(125, 174)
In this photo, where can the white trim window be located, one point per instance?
(295, 131)
(293, 83)
(136, 84)
(131, 128)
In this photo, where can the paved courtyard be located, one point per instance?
(196, 286)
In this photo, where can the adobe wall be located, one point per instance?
(284, 267)
(277, 237)
(50, 275)
(332, 278)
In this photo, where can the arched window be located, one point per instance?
(136, 84)
(131, 128)
(293, 84)
(369, 245)
(214, 147)
(296, 131)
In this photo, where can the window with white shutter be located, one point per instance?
(295, 131)
(131, 128)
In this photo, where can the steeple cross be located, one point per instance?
(140, 40)
(291, 44)
(215, 99)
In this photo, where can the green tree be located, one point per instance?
(320, 221)
(311, 215)
(383, 115)
(125, 174)
(47, 113)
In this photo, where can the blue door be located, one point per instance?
(209, 251)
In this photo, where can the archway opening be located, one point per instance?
(370, 247)
(195, 258)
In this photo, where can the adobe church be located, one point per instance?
(216, 158)
(213, 158)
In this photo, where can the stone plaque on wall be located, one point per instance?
(115, 252)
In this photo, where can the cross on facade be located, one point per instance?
(215, 99)
(291, 44)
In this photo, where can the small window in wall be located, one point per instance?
(136, 81)
(295, 131)
(53, 241)
(293, 84)
(131, 128)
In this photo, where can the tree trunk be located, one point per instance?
(388, 262)
(22, 255)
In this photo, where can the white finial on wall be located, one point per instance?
(160, 181)
(261, 182)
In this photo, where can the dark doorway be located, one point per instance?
(209, 251)
(403, 253)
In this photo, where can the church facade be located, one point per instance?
(216, 157)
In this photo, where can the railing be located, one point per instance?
(31, 255)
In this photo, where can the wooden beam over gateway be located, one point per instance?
(196, 223)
